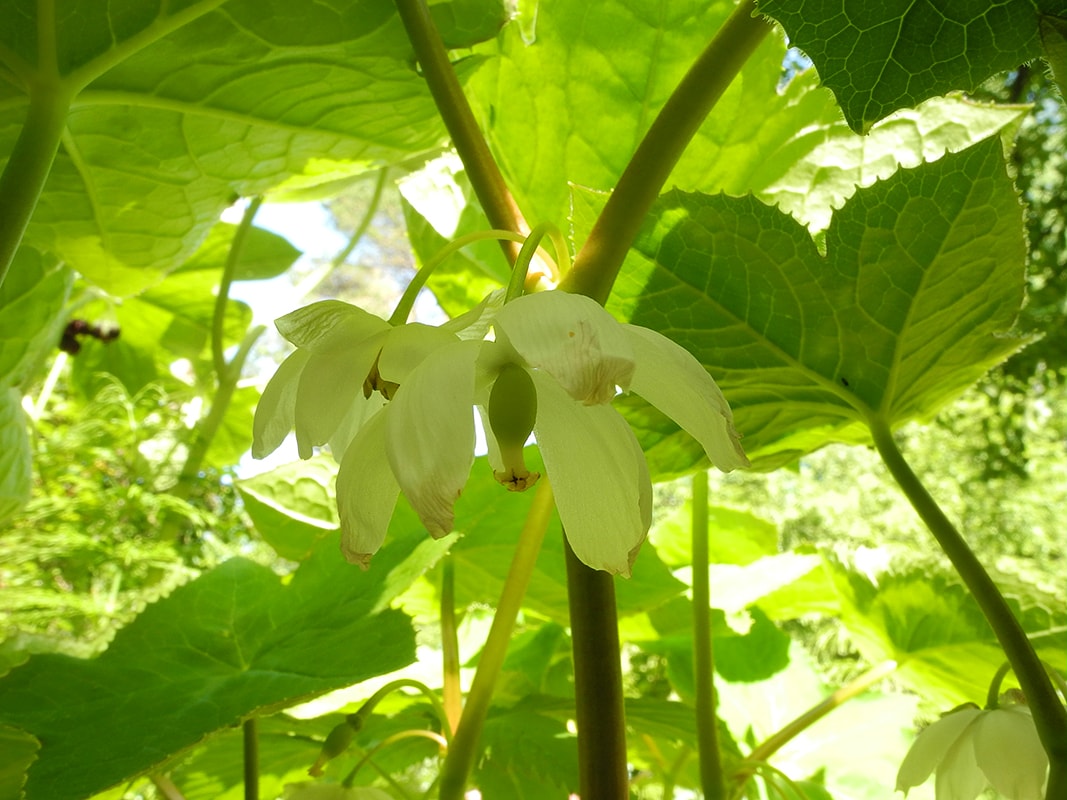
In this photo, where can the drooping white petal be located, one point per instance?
(430, 430)
(670, 378)
(598, 474)
(407, 346)
(958, 776)
(277, 406)
(1010, 753)
(358, 413)
(331, 383)
(322, 325)
(573, 339)
(931, 745)
(366, 492)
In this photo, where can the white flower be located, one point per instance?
(346, 365)
(971, 748)
(575, 357)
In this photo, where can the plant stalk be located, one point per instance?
(597, 682)
(791, 730)
(1049, 714)
(229, 270)
(601, 257)
(464, 746)
(484, 174)
(28, 166)
(450, 686)
(711, 773)
(251, 759)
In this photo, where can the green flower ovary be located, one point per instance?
(512, 412)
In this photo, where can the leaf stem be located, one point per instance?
(450, 686)
(233, 258)
(364, 223)
(356, 719)
(773, 743)
(464, 745)
(601, 257)
(597, 682)
(407, 300)
(484, 174)
(208, 426)
(1050, 717)
(29, 164)
(166, 787)
(711, 773)
(251, 758)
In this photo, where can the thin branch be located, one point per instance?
(484, 174)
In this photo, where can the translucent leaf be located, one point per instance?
(885, 56)
(921, 280)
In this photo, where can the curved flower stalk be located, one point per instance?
(555, 365)
(348, 362)
(969, 749)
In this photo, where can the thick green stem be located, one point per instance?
(251, 759)
(29, 164)
(600, 258)
(464, 746)
(597, 682)
(482, 170)
(1050, 717)
(711, 774)
(450, 687)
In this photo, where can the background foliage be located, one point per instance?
(156, 595)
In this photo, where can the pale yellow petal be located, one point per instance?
(599, 477)
(573, 339)
(430, 433)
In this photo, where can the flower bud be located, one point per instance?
(336, 743)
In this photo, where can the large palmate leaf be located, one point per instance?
(30, 303)
(922, 277)
(885, 56)
(178, 108)
(233, 643)
(926, 622)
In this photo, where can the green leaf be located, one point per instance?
(264, 254)
(931, 625)
(885, 56)
(606, 89)
(528, 756)
(179, 108)
(749, 648)
(31, 314)
(293, 506)
(921, 279)
(15, 463)
(735, 536)
(231, 644)
(17, 752)
(531, 654)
